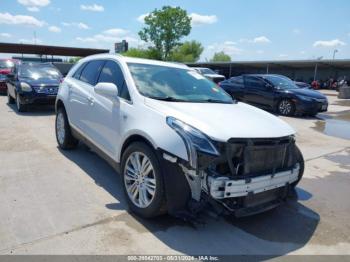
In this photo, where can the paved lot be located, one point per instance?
(54, 202)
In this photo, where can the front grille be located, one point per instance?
(3, 85)
(46, 89)
(254, 157)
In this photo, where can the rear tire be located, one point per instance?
(286, 107)
(20, 107)
(144, 190)
(64, 136)
(10, 99)
(300, 161)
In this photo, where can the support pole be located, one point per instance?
(315, 73)
(267, 68)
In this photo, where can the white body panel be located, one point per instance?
(108, 123)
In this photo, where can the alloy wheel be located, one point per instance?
(140, 180)
(285, 107)
(60, 128)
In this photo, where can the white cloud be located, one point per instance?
(54, 29)
(82, 26)
(93, 8)
(283, 55)
(256, 40)
(141, 18)
(260, 52)
(227, 47)
(330, 43)
(34, 5)
(33, 9)
(261, 39)
(79, 25)
(7, 18)
(5, 35)
(115, 32)
(303, 52)
(30, 41)
(112, 35)
(197, 19)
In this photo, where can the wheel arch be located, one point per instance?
(134, 138)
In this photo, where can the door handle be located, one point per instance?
(91, 101)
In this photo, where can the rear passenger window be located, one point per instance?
(237, 81)
(78, 72)
(254, 82)
(112, 73)
(91, 71)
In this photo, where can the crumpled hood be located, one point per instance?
(224, 121)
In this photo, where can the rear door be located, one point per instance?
(258, 92)
(235, 87)
(81, 89)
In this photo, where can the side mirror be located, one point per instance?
(108, 90)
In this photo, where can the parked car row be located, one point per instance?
(32, 83)
(275, 93)
(180, 142)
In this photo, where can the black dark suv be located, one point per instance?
(275, 93)
(33, 83)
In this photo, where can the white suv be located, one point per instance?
(179, 141)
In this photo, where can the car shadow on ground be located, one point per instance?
(273, 233)
(34, 110)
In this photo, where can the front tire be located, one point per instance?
(286, 107)
(300, 161)
(143, 181)
(10, 99)
(20, 107)
(64, 136)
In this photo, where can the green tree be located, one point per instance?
(221, 57)
(189, 51)
(74, 60)
(140, 53)
(164, 28)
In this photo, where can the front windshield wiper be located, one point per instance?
(167, 98)
(211, 100)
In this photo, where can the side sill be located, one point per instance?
(103, 155)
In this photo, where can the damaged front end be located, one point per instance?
(242, 176)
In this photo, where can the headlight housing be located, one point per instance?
(25, 87)
(194, 140)
(305, 98)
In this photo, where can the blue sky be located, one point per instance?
(246, 30)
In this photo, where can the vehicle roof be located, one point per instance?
(263, 75)
(127, 59)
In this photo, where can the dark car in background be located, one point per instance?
(33, 83)
(210, 74)
(275, 93)
(303, 85)
(6, 67)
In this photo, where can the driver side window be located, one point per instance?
(112, 73)
(252, 82)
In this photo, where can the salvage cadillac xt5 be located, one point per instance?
(180, 142)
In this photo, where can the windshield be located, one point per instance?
(36, 71)
(176, 84)
(281, 82)
(6, 64)
(206, 71)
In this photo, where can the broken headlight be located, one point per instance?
(194, 140)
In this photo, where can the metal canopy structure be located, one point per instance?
(296, 69)
(48, 50)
